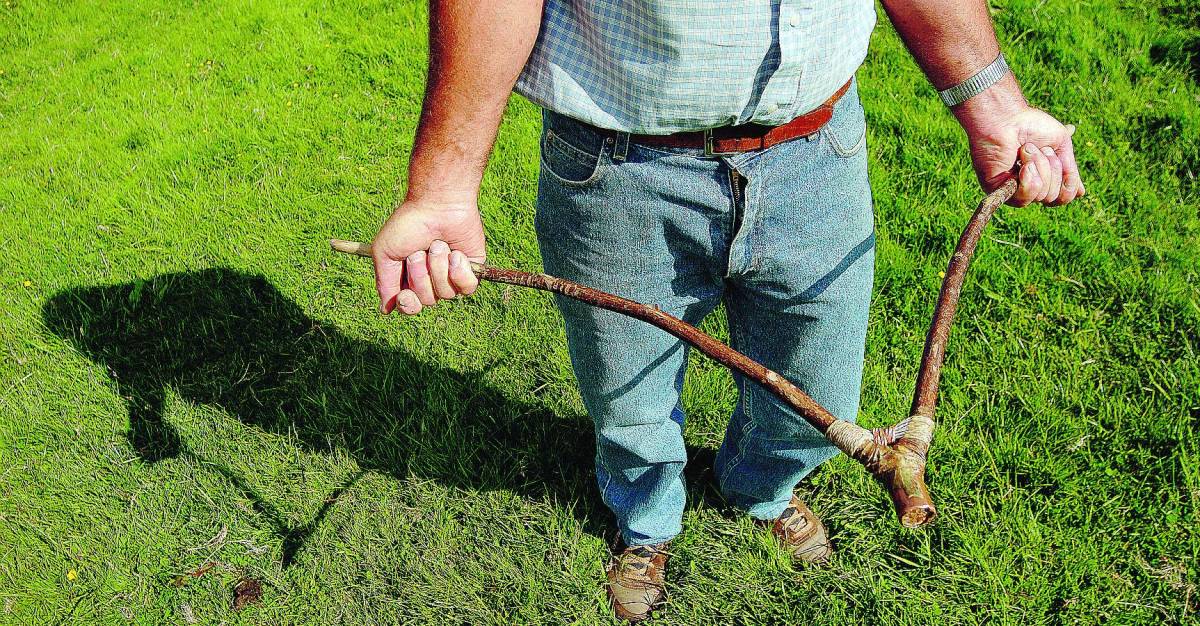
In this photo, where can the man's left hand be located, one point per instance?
(1049, 173)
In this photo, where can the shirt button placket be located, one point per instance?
(789, 43)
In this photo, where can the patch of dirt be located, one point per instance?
(247, 591)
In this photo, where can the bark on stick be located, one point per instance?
(894, 455)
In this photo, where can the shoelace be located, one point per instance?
(638, 560)
(796, 522)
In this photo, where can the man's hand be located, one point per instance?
(999, 137)
(954, 39)
(423, 252)
(476, 50)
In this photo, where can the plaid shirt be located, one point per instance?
(662, 66)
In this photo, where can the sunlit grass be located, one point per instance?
(169, 173)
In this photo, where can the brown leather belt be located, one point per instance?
(746, 137)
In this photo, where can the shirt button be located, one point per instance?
(772, 108)
(794, 20)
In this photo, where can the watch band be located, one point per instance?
(974, 85)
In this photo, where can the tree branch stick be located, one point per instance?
(902, 469)
(894, 455)
(808, 408)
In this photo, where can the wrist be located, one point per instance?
(445, 168)
(445, 184)
(999, 102)
(436, 196)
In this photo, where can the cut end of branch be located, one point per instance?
(918, 516)
(350, 247)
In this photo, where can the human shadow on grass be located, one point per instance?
(231, 340)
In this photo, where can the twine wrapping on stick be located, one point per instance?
(895, 455)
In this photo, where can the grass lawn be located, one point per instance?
(188, 376)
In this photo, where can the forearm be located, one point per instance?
(476, 51)
(952, 40)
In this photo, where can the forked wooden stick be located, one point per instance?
(894, 455)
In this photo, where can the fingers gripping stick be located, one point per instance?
(894, 455)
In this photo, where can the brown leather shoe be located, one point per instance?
(802, 533)
(635, 581)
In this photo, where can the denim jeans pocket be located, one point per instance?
(846, 133)
(571, 164)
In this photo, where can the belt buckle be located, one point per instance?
(709, 149)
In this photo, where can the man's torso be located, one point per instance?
(663, 66)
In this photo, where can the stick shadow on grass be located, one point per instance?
(228, 339)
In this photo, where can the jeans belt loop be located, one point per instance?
(621, 147)
(710, 145)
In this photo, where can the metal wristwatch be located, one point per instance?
(975, 85)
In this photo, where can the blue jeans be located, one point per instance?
(783, 236)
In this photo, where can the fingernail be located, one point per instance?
(417, 256)
(438, 247)
(1048, 151)
(455, 258)
(1030, 149)
(408, 302)
(1070, 129)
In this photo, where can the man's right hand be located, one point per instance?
(423, 252)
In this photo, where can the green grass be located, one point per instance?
(187, 375)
